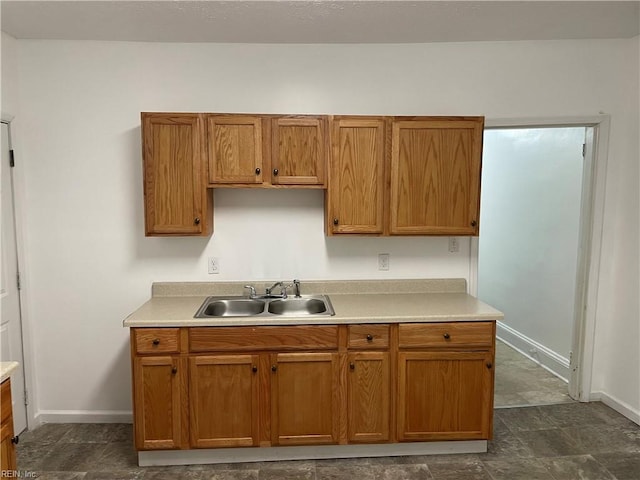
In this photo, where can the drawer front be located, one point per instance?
(157, 340)
(368, 336)
(451, 334)
(298, 337)
(5, 400)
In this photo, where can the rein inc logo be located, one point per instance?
(17, 474)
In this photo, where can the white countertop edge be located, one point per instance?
(6, 369)
(326, 320)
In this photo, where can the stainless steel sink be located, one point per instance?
(303, 306)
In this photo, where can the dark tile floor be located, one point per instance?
(585, 441)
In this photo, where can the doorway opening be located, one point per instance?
(532, 263)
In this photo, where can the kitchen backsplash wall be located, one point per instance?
(77, 132)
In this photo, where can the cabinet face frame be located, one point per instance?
(286, 154)
(173, 393)
(348, 148)
(7, 447)
(245, 372)
(225, 151)
(184, 135)
(446, 162)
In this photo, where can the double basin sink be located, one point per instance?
(302, 306)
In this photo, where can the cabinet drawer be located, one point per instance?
(298, 337)
(5, 400)
(368, 336)
(157, 340)
(452, 334)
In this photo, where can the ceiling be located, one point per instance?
(319, 21)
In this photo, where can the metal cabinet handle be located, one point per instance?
(352, 366)
(474, 223)
(258, 171)
(369, 337)
(489, 365)
(197, 221)
(446, 336)
(275, 171)
(335, 221)
(274, 368)
(174, 370)
(254, 368)
(15, 440)
(156, 341)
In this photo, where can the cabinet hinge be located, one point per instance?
(26, 396)
(12, 158)
(584, 149)
(18, 281)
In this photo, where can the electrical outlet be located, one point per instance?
(383, 261)
(454, 246)
(214, 265)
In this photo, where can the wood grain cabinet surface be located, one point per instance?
(7, 445)
(356, 192)
(267, 150)
(435, 176)
(312, 384)
(175, 195)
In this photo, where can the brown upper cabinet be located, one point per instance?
(435, 176)
(404, 175)
(356, 176)
(175, 194)
(266, 150)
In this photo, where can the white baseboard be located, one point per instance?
(83, 416)
(618, 405)
(543, 356)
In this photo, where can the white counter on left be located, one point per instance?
(6, 369)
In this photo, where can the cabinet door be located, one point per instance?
(174, 181)
(7, 448)
(158, 386)
(368, 397)
(304, 398)
(234, 146)
(298, 151)
(224, 401)
(356, 176)
(435, 176)
(445, 395)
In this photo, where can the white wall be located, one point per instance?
(89, 264)
(528, 248)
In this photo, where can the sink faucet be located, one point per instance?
(277, 284)
(296, 285)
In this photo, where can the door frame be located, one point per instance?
(589, 246)
(27, 364)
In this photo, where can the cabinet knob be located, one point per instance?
(174, 370)
(254, 368)
(15, 440)
(446, 336)
(335, 221)
(275, 171)
(474, 223)
(274, 368)
(352, 366)
(258, 171)
(197, 221)
(369, 337)
(156, 341)
(489, 365)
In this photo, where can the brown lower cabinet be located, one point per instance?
(7, 439)
(210, 387)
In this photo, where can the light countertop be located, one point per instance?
(423, 303)
(6, 369)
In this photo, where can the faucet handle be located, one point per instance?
(252, 291)
(296, 284)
